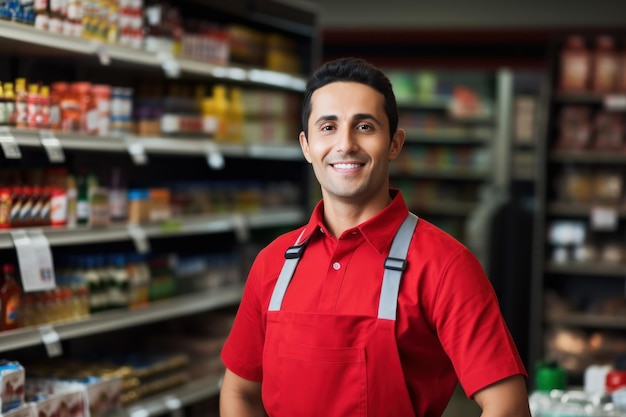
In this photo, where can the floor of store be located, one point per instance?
(461, 406)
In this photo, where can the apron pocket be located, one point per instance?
(336, 375)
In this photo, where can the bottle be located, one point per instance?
(221, 111)
(118, 203)
(236, 116)
(10, 297)
(33, 106)
(72, 201)
(43, 115)
(9, 104)
(4, 121)
(82, 198)
(5, 207)
(575, 65)
(605, 65)
(21, 103)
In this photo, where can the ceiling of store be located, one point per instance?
(422, 14)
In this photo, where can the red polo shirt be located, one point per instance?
(448, 321)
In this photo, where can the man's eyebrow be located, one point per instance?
(365, 116)
(357, 117)
(327, 118)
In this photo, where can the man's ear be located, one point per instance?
(304, 144)
(397, 141)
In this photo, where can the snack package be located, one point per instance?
(574, 128)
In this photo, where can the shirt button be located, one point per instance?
(336, 266)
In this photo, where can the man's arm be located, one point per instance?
(506, 398)
(240, 397)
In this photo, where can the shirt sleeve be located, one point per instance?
(243, 350)
(471, 328)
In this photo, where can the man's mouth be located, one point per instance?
(346, 166)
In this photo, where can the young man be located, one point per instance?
(366, 310)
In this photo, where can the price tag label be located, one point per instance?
(242, 232)
(138, 412)
(137, 153)
(103, 54)
(615, 102)
(174, 405)
(51, 341)
(34, 259)
(169, 64)
(9, 145)
(52, 145)
(214, 157)
(604, 219)
(139, 237)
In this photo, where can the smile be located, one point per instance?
(346, 166)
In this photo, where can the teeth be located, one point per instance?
(346, 166)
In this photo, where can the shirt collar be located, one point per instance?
(375, 230)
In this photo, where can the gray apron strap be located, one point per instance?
(292, 257)
(394, 266)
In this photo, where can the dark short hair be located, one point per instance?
(351, 70)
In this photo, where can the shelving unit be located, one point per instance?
(577, 286)
(158, 156)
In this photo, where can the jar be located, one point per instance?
(138, 206)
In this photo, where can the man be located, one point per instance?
(366, 310)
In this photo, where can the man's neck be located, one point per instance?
(340, 216)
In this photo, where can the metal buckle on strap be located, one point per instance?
(395, 264)
(294, 251)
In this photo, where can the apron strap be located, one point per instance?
(394, 266)
(292, 257)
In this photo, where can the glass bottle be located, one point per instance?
(10, 297)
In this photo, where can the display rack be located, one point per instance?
(25, 146)
(573, 282)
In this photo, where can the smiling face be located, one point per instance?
(348, 144)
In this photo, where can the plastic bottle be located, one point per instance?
(236, 116)
(5, 207)
(4, 120)
(221, 111)
(33, 105)
(42, 118)
(21, 103)
(605, 65)
(9, 104)
(72, 200)
(82, 198)
(10, 297)
(575, 65)
(118, 203)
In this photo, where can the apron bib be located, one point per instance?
(327, 365)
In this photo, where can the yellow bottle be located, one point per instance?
(9, 104)
(221, 111)
(236, 116)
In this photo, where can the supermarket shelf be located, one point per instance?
(577, 209)
(24, 34)
(170, 400)
(447, 208)
(119, 319)
(442, 173)
(587, 320)
(156, 145)
(610, 101)
(589, 156)
(587, 268)
(435, 103)
(208, 224)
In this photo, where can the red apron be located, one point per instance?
(328, 365)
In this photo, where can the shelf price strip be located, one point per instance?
(51, 341)
(9, 145)
(34, 259)
(136, 152)
(52, 145)
(139, 237)
(174, 405)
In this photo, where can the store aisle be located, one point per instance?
(460, 406)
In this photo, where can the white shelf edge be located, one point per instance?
(160, 145)
(189, 393)
(209, 224)
(28, 34)
(123, 318)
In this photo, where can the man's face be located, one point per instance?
(348, 142)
